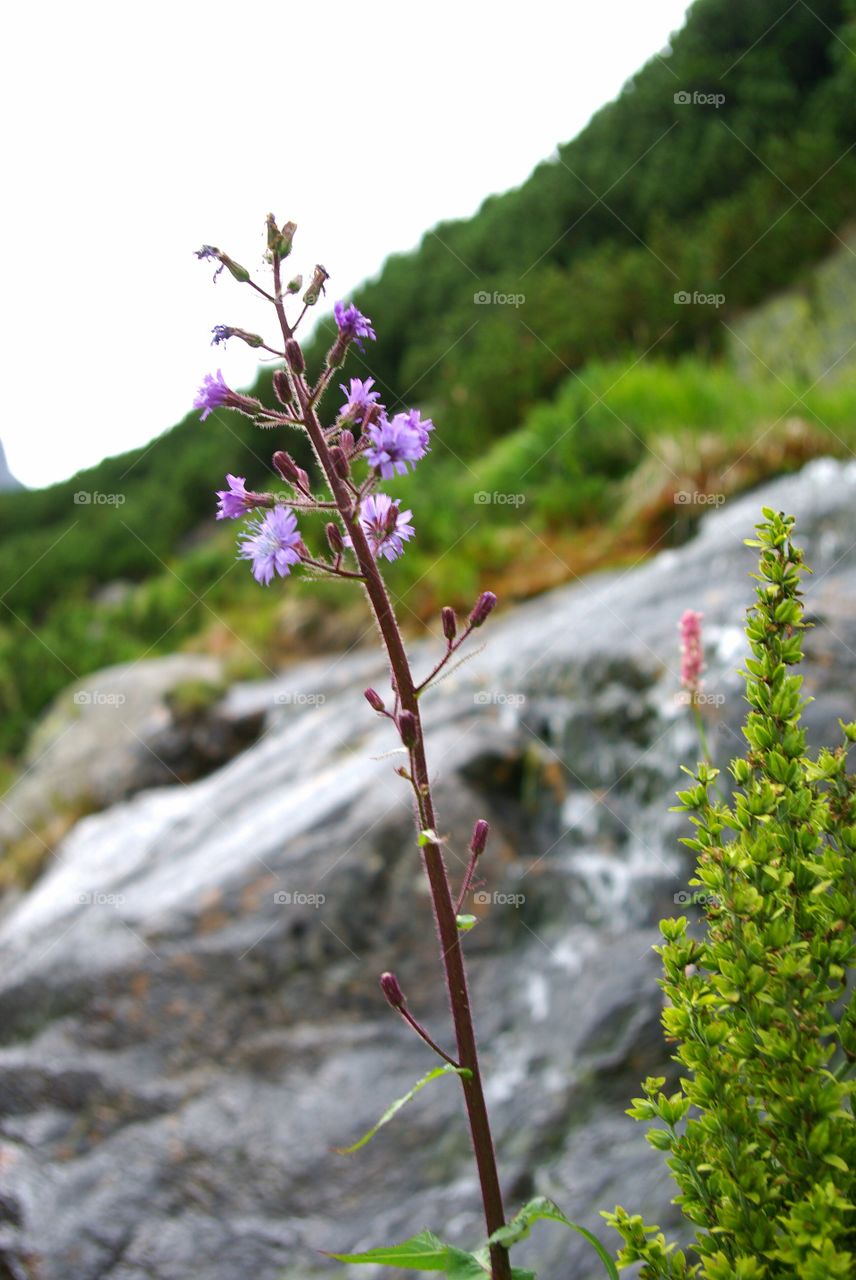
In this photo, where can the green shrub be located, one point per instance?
(760, 1134)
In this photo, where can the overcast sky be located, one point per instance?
(135, 133)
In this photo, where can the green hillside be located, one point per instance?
(723, 171)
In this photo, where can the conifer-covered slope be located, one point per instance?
(723, 171)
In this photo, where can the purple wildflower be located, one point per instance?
(211, 394)
(385, 526)
(395, 442)
(359, 400)
(353, 325)
(417, 424)
(222, 333)
(236, 500)
(272, 545)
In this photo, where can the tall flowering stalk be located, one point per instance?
(364, 526)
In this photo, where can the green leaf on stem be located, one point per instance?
(448, 1069)
(420, 1253)
(426, 1253)
(465, 923)
(521, 1224)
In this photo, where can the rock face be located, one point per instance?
(137, 725)
(189, 1002)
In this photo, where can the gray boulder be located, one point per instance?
(189, 1002)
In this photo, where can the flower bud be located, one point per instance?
(294, 284)
(450, 623)
(294, 355)
(334, 539)
(374, 700)
(482, 607)
(340, 462)
(479, 838)
(240, 273)
(391, 989)
(285, 466)
(408, 728)
(286, 238)
(316, 286)
(281, 387)
(346, 442)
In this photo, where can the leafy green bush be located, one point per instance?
(760, 1134)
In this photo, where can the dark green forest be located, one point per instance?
(724, 169)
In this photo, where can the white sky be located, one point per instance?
(135, 133)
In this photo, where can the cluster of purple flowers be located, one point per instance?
(272, 542)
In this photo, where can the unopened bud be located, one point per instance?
(240, 273)
(374, 700)
(285, 465)
(286, 238)
(294, 355)
(334, 539)
(450, 623)
(408, 728)
(340, 462)
(294, 284)
(316, 286)
(391, 989)
(281, 387)
(482, 607)
(479, 838)
(346, 442)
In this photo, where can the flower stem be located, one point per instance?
(435, 867)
